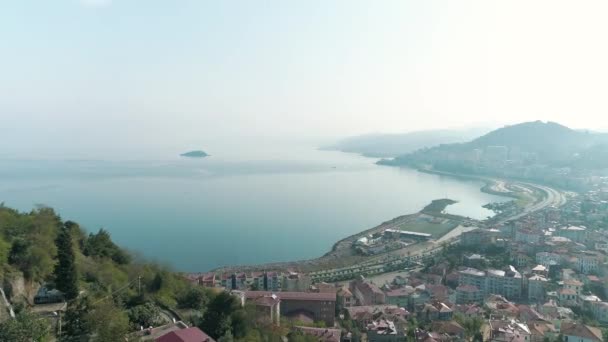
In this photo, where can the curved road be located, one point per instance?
(553, 198)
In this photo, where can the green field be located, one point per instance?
(421, 226)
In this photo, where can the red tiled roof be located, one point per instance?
(185, 335)
(581, 330)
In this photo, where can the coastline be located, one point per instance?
(340, 254)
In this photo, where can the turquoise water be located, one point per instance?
(198, 214)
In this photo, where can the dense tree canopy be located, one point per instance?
(66, 278)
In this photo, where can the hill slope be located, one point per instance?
(391, 145)
(550, 143)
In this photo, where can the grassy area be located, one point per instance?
(422, 226)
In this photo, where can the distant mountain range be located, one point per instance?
(550, 143)
(392, 145)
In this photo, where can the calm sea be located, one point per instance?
(239, 206)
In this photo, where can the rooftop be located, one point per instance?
(312, 296)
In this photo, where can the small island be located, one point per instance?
(195, 154)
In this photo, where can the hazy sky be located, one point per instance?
(91, 72)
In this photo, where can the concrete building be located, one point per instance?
(528, 236)
(466, 294)
(589, 262)
(400, 296)
(507, 283)
(296, 282)
(548, 259)
(574, 233)
(268, 309)
(536, 288)
(367, 293)
(318, 306)
(600, 311)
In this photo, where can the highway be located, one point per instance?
(380, 264)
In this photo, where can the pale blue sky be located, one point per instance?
(150, 72)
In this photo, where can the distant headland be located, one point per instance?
(195, 154)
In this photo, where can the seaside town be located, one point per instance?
(538, 274)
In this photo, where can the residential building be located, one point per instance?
(268, 309)
(548, 259)
(536, 288)
(589, 262)
(509, 331)
(272, 281)
(577, 332)
(567, 297)
(367, 293)
(193, 334)
(528, 236)
(321, 334)
(384, 330)
(574, 233)
(600, 311)
(451, 328)
(296, 282)
(507, 283)
(319, 306)
(466, 294)
(345, 298)
(399, 296)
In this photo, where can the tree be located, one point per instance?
(217, 320)
(101, 245)
(75, 325)
(24, 328)
(108, 322)
(66, 278)
(471, 325)
(146, 315)
(194, 298)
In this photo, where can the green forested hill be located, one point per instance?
(115, 293)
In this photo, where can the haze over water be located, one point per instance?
(253, 203)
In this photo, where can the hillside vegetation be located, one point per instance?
(110, 293)
(550, 143)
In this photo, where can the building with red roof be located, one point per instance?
(185, 335)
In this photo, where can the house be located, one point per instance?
(320, 334)
(345, 298)
(469, 310)
(541, 330)
(577, 332)
(466, 294)
(319, 306)
(399, 296)
(573, 284)
(367, 293)
(509, 331)
(451, 328)
(268, 309)
(384, 330)
(48, 296)
(567, 297)
(364, 315)
(185, 335)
